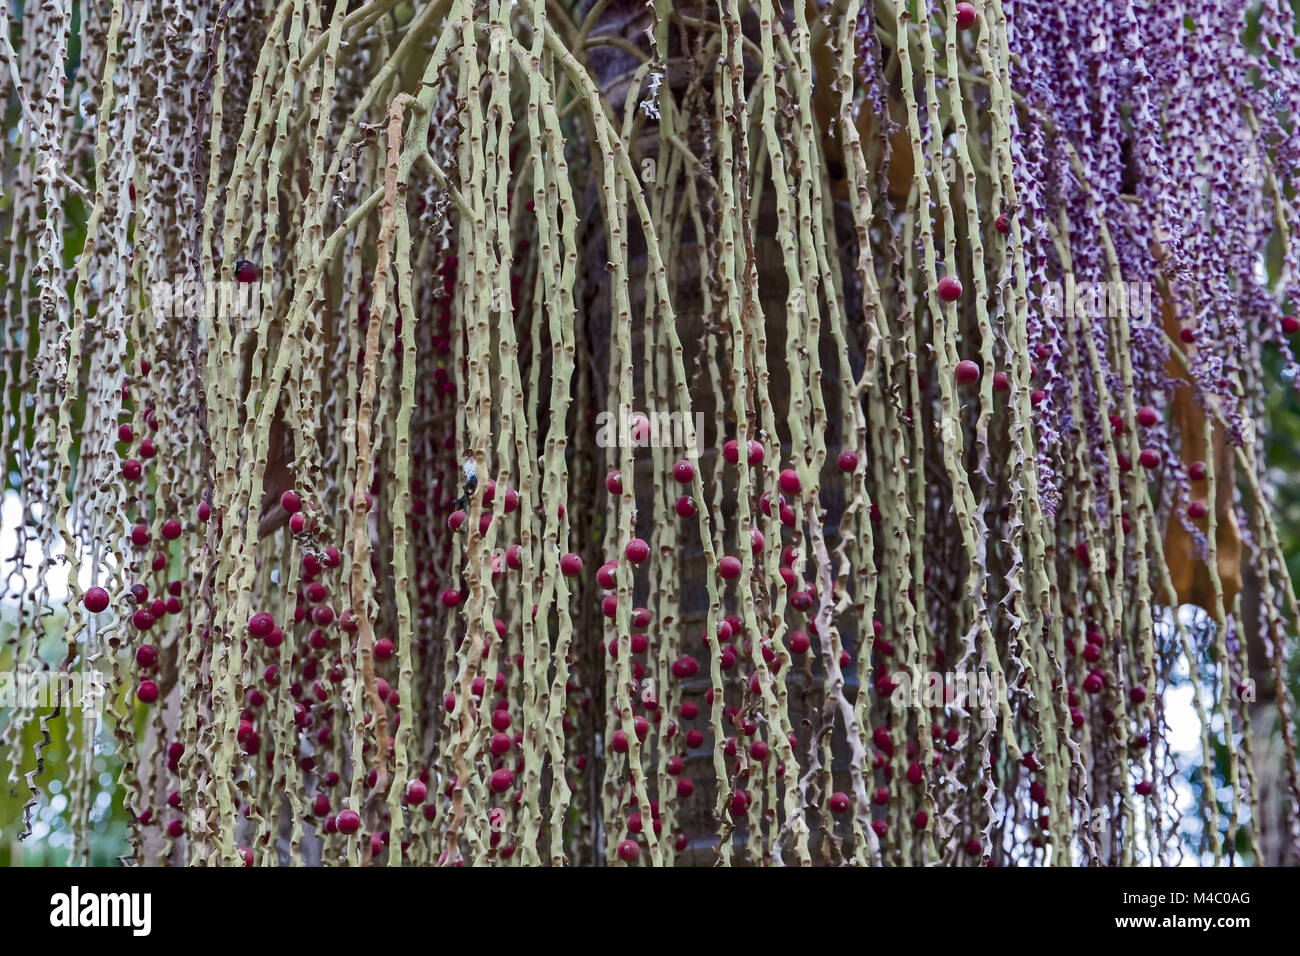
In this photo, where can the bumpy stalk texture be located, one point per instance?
(733, 433)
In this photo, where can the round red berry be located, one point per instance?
(949, 289)
(95, 600)
(637, 550)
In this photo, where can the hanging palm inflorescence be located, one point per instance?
(545, 433)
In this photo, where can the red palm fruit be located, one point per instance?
(880, 736)
(641, 727)
(685, 667)
(95, 600)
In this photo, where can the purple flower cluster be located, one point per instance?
(1159, 128)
